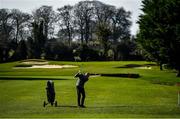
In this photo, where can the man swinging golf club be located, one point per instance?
(82, 78)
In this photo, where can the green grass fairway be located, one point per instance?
(154, 94)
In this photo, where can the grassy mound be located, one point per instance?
(33, 60)
(23, 65)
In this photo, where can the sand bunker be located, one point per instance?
(40, 64)
(142, 67)
(47, 67)
(53, 66)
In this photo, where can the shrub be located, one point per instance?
(86, 53)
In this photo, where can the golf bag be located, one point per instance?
(50, 94)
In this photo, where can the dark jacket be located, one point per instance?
(81, 79)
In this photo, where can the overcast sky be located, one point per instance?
(29, 5)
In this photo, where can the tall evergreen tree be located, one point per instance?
(159, 33)
(39, 39)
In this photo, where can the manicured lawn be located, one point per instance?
(154, 94)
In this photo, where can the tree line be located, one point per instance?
(87, 31)
(93, 30)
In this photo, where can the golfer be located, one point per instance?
(82, 78)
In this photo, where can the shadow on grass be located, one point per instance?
(73, 106)
(112, 106)
(123, 75)
(30, 78)
(68, 106)
(136, 65)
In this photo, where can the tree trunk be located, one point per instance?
(69, 34)
(45, 31)
(69, 39)
(17, 32)
(178, 73)
(87, 32)
(115, 54)
(105, 49)
(161, 67)
(82, 36)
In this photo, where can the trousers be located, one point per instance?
(80, 96)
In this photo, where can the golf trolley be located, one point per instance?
(50, 94)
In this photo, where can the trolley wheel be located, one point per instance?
(44, 104)
(55, 103)
(52, 103)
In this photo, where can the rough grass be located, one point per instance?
(22, 92)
